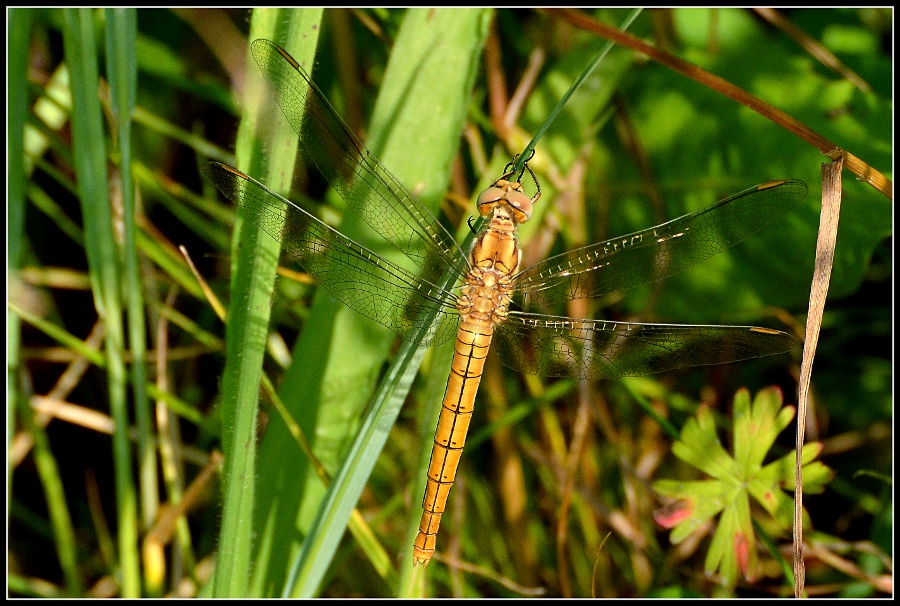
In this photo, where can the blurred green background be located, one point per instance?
(561, 465)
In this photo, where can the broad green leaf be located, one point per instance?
(755, 427)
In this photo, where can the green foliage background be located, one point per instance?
(551, 467)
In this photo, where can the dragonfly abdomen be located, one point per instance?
(473, 340)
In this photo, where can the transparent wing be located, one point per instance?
(658, 252)
(367, 186)
(595, 349)
(354, 275)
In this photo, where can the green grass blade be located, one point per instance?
(100, 246)
(529, 149)
(97, 358)
(318, 548)
(17, 69)
(121, 68)
(63, 532)
(60, 335)
(419, 83)
(19, 32)
(255, 261)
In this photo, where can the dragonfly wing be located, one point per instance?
(596, 349)
(354, 275)
(367, 186)
(658, 252)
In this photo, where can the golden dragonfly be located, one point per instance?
(489, 289)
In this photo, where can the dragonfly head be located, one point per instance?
(506, 196)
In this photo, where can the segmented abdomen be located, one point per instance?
(472, 343)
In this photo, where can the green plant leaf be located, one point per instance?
(756, 425)
(254, 263)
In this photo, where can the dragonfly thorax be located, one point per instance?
(485, 297)
(488, 285)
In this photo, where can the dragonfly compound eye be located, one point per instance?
(521, 205)
(489, 198)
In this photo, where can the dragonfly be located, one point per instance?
(480, 295)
